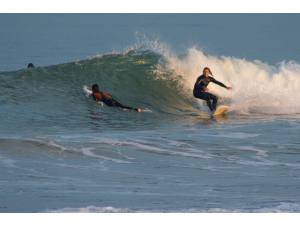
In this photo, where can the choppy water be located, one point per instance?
(60, 151)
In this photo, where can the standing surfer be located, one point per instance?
(201, 91)
(107, 99)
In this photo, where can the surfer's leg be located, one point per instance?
(214, 99)
(210, 106)
(114, 103)
(118, 104)
(205, 96)
(124, 106)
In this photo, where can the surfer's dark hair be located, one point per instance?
(95, 88)
(30, 65)
(207, 68)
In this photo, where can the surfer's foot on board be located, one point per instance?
(212, 113)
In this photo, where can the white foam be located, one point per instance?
(234, 135)
(88, 151)
(91, 209)
(259, 152)
(279, 208)
(141, 145)
(48, 143)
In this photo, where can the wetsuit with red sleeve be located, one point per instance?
(108, 100)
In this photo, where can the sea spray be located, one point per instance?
(257, 86)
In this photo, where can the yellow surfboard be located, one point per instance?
(222, 109)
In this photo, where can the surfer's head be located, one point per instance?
(95, 88)
(207, 71)
(30, 65)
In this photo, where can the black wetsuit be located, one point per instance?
(199, 91)
(111, 102)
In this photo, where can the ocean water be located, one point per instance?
(62, 152)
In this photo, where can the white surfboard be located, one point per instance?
(87, 91)
(221, 110)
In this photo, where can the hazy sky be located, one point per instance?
(54, 38)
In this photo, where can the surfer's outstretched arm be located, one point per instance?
(219, 83)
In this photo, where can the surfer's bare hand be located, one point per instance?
(206, 90)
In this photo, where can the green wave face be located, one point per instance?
(55, 92)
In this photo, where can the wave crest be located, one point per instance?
(155, 77)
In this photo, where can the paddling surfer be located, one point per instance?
(107, 99)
